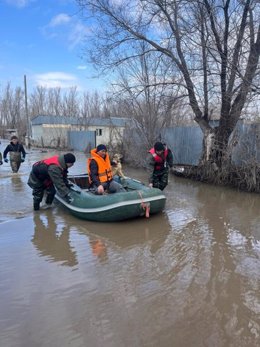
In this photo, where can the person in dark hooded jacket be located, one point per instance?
(16, 153)
(48, 175)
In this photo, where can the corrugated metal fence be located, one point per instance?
(81, 140)
(186, 144)
(247, 150)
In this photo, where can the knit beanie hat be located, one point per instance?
(69, 158)
(158, 146)
(101, 147)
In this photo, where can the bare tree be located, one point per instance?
(96, 105)
(38, 101)
(70, 103)
(12, 108)
(148, 94)
(54, 98)
(214, 45)
(85, 108)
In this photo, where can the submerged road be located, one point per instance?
(187, 277)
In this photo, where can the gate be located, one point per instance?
(81, 140)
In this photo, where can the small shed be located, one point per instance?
(53, 131)
(108, 130)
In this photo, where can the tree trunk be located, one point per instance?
(216, 149)
(220, 153)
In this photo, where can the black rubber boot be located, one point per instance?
(36, 205)
(49, 199)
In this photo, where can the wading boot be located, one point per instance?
(36, 205)
(49, 199)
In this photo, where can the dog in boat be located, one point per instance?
(117, 166)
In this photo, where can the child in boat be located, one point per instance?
(117, 166)
(16, 153)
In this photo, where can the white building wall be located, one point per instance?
(51, 135)
(37, 133)
(113, 135)
(56, 135)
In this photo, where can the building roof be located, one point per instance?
(39, 120)
(112, 121)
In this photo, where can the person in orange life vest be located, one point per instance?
(159, 160)
(48, 175)
(100, 172)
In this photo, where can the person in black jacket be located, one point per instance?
(50, 175)
(16, 153)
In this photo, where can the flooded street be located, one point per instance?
(188, 277)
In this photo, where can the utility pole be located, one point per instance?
(27, 115)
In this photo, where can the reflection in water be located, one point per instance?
(51, 242)
(99, 249)
(189, 277)
(216, 252)
(14, 198)
(17, 183)
(100, 237)
(115, 237)
(150, 233)
(234, 258)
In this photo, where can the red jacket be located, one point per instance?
(160, 162)
(40, 169)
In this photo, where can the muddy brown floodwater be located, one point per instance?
(187, 277)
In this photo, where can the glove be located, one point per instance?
(6, 160)
(22, 160)
(100, 189)
(1, 163)
(69, 199)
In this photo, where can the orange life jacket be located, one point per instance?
(160, 162)
(104, 167)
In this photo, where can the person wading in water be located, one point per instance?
(48, 175)
(159, 160)
(16, 153)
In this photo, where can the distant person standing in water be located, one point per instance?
(16, 153)
(159, 160)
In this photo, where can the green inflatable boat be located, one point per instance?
(138, 200)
